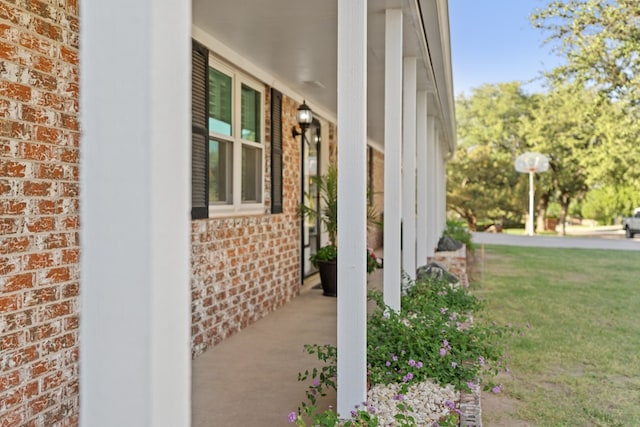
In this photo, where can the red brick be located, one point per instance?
(15, 91)
(70, 291)
(12, 341)
(37, 188)
(54, 311)
(70, 256)
(39, 225)
(58, 275)
(43, 63)
(70, 189)
(12, 207)
(68, 55)
(16, 282)
(43, 81)
(50, 100)
(14, 244)
(69, 155)
(14, 417)
(45, 331)
(41, 152)
(71, 223)
(70, 121)
(40, 404)
(40, 296)
(31, 390)
(10, 380)
(45, 134)
(7, 51)
(49, 171)
(9, 303)
(38, 260)
(9, 13)
(55, 241)
(39, 8)
(46, 207)
(13, 129)
(5, 187)
(71, 323)
(13, 169)
(8, 226)
(47, 29)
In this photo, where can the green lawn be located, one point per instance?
(578, 363)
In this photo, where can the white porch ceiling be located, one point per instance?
(295, 43)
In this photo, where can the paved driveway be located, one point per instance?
(597, 238)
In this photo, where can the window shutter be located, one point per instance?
(276, 151)
(199, 132)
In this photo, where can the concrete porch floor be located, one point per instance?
(250, 379)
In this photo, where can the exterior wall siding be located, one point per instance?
(39, 213)
(245, 267)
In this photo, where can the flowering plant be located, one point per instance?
(373, 262)
(432, 338)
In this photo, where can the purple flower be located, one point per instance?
(292, 417)
(446, 345)
(497, 389)
(481, 360)
(449, 404)
(372, 410)
(419, 365)
(316, 382)
(394, 358)
(470, 385)
(443, 310)
(354, 414)
(398, 397)
(443, 351)
(387, 364)
(454, 365)
(412, 362)
(453, 316)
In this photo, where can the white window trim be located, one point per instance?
(238, 79)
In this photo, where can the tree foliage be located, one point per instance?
(600, 40)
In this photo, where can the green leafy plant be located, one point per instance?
(327, 186)
(432, 337)
(458, 230)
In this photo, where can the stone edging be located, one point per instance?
(471, 408)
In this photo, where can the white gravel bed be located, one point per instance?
(426, 398)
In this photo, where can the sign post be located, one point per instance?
(531, 163)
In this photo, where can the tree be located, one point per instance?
(482, 181)
(601, 42)
(561, 127)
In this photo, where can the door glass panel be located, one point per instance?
(311, 168)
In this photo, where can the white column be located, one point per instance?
(135, 354)
(352, 202)
(409, 168)
(422, 180)
(431, 186)
(392, 273)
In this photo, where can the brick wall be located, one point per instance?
(247, 266)
(39, 142)
(455, 262)
(375, 234)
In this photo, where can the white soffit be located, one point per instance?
(294, 45)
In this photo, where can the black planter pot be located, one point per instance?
(328, 277)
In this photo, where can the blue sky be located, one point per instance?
(493, 41)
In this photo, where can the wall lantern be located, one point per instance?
(305, 117)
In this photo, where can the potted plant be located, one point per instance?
(325, 259)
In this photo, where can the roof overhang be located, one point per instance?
(293, 46)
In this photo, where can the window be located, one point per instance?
(227, 140)
(236, 148)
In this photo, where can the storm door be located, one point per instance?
(310, 169)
